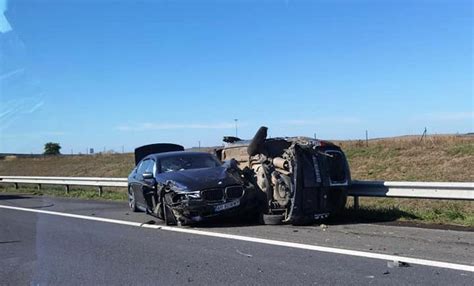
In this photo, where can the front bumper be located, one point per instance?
(198, 210)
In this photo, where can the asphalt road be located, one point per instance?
(44, 249)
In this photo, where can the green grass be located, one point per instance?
(465, 149)
(74, 192)
(460, 213)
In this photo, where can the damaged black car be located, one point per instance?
(303, 179)
(189, 187)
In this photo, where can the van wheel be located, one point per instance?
(338, 200)
(272, 219)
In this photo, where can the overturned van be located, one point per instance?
(303, 179)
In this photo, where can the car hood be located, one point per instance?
(199, 179)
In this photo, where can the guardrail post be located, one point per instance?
(39, 187)
(356, 202)
(16, 186)
(100, 191)
(67, 189)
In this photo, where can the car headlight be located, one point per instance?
(194, 195)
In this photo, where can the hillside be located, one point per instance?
(438, 158)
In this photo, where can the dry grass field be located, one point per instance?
(99, 165)
(436, 158)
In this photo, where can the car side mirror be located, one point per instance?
(147, 175)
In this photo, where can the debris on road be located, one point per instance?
(244, 254)
(395, 264)
(148, 222)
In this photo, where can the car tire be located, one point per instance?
(272, 219)
(132, 202)
(256, 145)
(255, 217)
(168, 215)
(338, 199)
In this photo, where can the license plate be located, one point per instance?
(226, 206)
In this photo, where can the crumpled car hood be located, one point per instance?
(199, 179)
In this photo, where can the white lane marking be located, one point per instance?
(357, 253)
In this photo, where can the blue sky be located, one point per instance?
(107, 74)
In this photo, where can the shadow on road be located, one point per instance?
(352, 216)
(13, 197)
(348, 216)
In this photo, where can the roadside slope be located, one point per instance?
(438, 158)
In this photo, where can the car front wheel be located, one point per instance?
(132, 203)
(168, 215)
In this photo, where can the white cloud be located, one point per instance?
(35, 107)
(11, 73)
(13, 109)
(173, 126)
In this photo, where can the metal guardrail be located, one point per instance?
(418, 190)
(65, 178)
(100, 183)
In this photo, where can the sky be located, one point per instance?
(120, 74)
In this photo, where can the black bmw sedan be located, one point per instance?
(188, 187)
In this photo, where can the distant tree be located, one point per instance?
(51, 148)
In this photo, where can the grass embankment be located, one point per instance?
(75, 192)
(437, 158)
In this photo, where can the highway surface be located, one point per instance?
(57, 241)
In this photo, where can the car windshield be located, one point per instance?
(188, 162)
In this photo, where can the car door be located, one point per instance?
(148, 185)
(138, 182)
(134, 185)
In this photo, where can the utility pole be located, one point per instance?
(199, 144)
(366, 138)
(236, 130)
(425, 132)
(122, 149)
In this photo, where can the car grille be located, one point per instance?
(213, 194)
(234, 192)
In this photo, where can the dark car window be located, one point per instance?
(187, 162)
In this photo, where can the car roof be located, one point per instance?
(158, 156)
